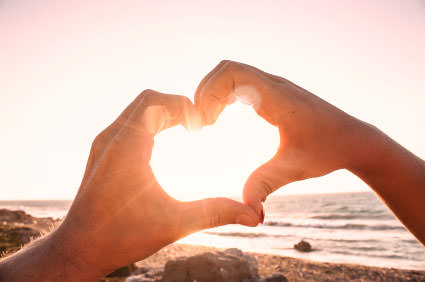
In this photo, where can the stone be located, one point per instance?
(9, 216)
(122, 271)
(140, 278)
(276, 278)
(23, 234)
(252, 262)
(12, 238)
(146, 274)
(303, 246)
(176, 270)
(231, 265)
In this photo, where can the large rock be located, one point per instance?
(303, 246)
(9, 216)
(146, 275)
(231, 265)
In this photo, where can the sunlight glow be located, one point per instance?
(217, 160)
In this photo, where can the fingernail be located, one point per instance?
(246, 220)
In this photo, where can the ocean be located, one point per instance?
(344, 227)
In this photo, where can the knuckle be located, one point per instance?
(147, 92)
(186, 100)
(232, 66)
(268, 189)
(215, 219)
(103, 142)
(98, 141)
(223, 62)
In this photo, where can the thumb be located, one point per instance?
(208, 213)
(262, 182)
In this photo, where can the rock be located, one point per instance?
(276, 278)
(154, 273)
(21, 219)
(23, 234)
(252, 262)
(231, 265)
(176, 270)
(141, 270)
(13, 238)
(122, 271)
(9, 216)
(145, 274)
(140, 278)
(303, 246)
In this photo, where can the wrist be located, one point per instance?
(367, 146)
(79, 252)
(74, 257)
(51, 258)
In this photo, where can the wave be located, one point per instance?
(351, 216)
(349, 226)
(242, 234)
(372, 255)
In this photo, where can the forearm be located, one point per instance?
(48, 259)
(396, 175)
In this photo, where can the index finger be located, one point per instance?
(227, 81)
(157, 111)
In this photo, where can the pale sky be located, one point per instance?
(68, 68)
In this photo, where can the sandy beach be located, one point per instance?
(294, 269)
(17, 228)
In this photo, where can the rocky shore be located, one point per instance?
(275, 267)
(187, 263)
(18, 228)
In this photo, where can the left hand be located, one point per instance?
(121, 214)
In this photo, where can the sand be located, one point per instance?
(295, 269)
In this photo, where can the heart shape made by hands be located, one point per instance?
(217, 160)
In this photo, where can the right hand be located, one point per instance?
(316, 138)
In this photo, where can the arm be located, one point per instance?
(51, 258)
(316, 138)
(396, 175)
(121, 214)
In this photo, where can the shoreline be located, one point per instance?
(294, 269)
(17, 228)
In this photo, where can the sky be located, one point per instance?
(68, 69)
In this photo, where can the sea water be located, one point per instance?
(343, 227)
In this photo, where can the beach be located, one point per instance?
(353, 228)
(292, 268)
(18, 228)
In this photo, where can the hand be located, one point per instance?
(120, 208)
(316, 138)
(121, 214)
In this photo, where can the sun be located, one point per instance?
(215, 161)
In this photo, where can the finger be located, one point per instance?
(115, 126)
(215, 212)
(262, 182)
(206, 78)
(158, 111)
(102, 138)
(229, 80)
